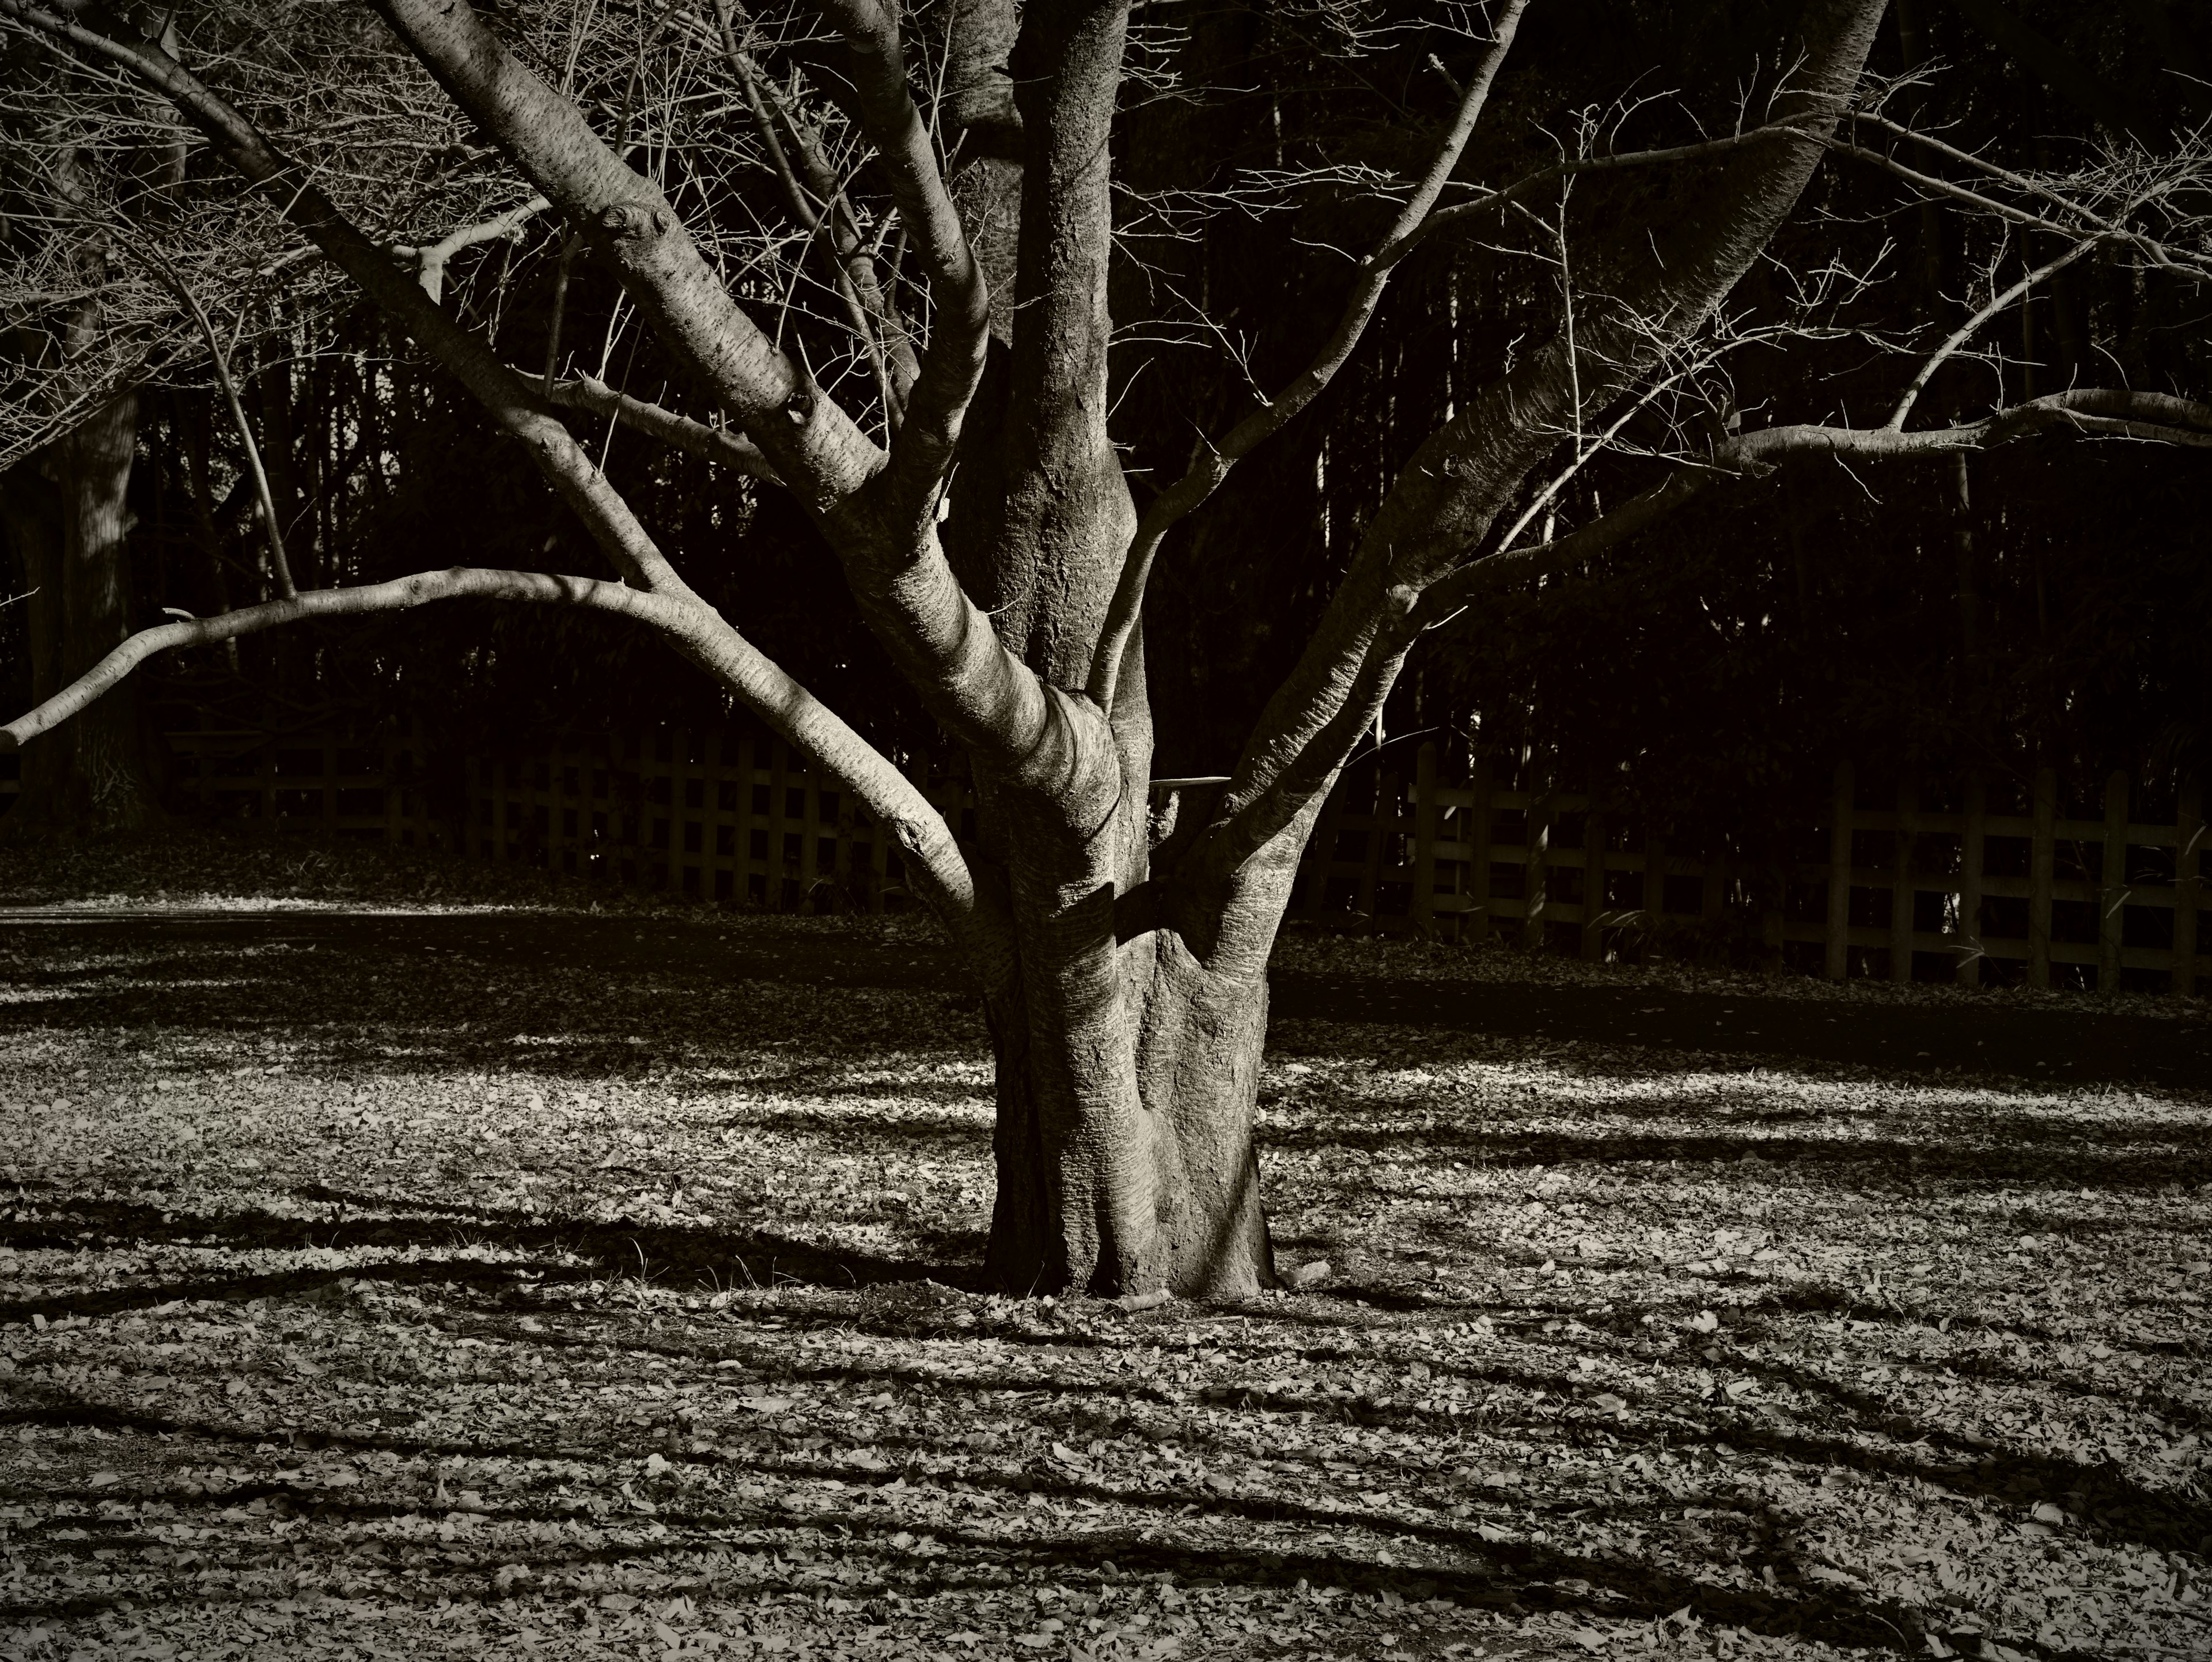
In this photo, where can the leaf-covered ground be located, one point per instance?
(413, 1287)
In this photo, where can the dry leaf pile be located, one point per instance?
(374, 1300)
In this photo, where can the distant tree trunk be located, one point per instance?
(69, 521)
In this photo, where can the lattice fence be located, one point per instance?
(2041, 886)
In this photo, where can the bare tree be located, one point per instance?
(1003, 561)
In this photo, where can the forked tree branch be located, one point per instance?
(960, 316)
(941, 642)
(2089, 412)
(1464, 475)
(1205, 473)
(694, 626)
(811, 443)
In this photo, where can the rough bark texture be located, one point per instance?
(1167, 1193)
(71, 530)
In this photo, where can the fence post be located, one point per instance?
(1593, 884)
(1382, 826)
(1655, 895)
(1536, 884)
(779, 825)
(1425, 841)
(1714, 891)
(1969, 883)
(2042, 852)
(1332, 827)
(1838, 945)
(1901, 881)
(2112, 893)
(2188, 836)
(1474, 923)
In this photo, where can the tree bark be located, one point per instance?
(1164, 1191)
(72, 539)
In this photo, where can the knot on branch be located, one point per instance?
(632, 221)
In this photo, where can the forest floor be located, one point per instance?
(400, 1262)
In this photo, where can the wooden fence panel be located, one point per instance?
(2104, 919)
(734, 817)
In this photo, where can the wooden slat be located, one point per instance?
(1969, 887)
(1836, 956)
(2042, 852)
(1901, 880)
(2111, 901)
(1425, 839)
(2188, 887)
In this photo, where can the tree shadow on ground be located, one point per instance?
(697, 1256)
(1509, 1576)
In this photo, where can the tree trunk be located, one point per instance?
(1126, 1162)
(92, 775)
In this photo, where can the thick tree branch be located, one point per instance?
(811, 443)
(694, 629)
(1065, 517)
(939, 640)
(1643, 302)
(1206, 472)
(960, 316)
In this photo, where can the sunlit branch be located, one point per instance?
(1997, 303)
(2091, 413)
(714, 444)
(1212, 465)
(811, 727)
(280, 568)
(431, 260)
(940, 641)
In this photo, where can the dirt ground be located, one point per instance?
(382, 1281)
